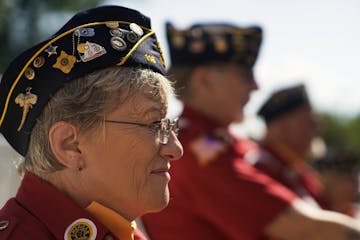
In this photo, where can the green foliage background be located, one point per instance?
(20, 23)
(341, 131)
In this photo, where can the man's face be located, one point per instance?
(232, 86)
(300, 127)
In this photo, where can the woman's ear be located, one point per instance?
(63, 138)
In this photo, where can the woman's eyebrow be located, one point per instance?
(153, 109)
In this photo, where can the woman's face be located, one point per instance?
(127, 169)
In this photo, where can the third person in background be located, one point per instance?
(339, 172)
(291, 126)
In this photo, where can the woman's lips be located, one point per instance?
(163, 172)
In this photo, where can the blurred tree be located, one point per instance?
(341, 131)
(23, 22)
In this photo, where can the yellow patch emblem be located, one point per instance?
(150, 58)
(65, 62)
(81, 229)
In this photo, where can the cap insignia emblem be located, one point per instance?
(84, 32)
(29, 73)
(90, 50)
(39, 62)
(51, 50)
(65, 62)
(150, 58)
(26, 101)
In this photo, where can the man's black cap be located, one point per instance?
(283, 101)
(93, 39)
(218, 42)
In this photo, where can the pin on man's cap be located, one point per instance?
(283, 101)
(93, 39)
(218, 42)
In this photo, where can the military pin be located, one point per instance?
(81, 229)
(92, 51)
(197, 46)
(136, 29)
(84, 32)
(51, 50)
(116, 32)
(4, 224)
(178, 41)
(132, 37)
(196, 33)
(65, 62)
(30, 73)
(39, 62)
(112, 24)
(25, 101)
(118, 43)
(220, 45)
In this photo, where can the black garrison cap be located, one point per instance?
(218, 42)
(283, 101)
(93, 39)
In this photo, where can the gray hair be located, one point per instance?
(84, 102)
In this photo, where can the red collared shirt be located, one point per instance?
(281, 164)
(39, 211)
(214, 193)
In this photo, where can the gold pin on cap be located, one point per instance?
(30, 73)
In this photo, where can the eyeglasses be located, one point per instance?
(162, 128)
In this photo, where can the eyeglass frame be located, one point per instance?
(163, 127)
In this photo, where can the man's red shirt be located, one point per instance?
(214, 193)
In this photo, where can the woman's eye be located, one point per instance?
(155, 125)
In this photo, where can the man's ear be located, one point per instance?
(63, 138)
(200, 79)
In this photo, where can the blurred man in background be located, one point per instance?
(339, 173)
(215, 194)
(291, 127)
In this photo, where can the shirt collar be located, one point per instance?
(119, 226)
(53, 208)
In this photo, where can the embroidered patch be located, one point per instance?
(150, 58)
(81, 229)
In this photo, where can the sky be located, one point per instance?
(315, 42)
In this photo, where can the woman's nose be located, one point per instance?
(173, 150)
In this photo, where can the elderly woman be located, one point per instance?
(86, 108)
